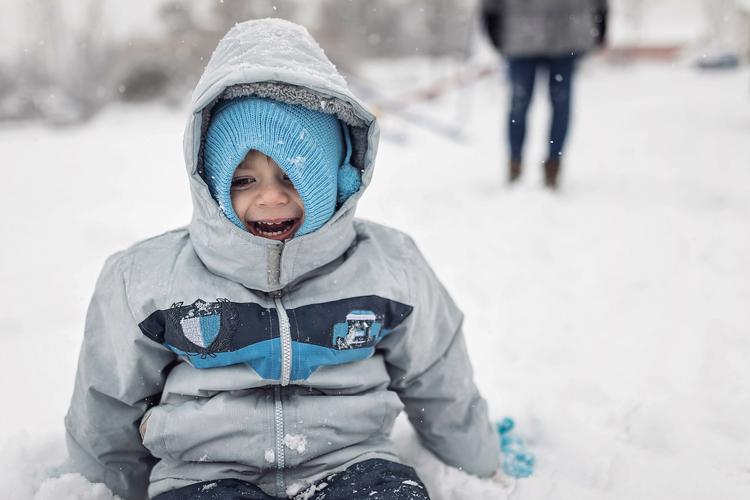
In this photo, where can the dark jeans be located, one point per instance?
(522, 72)
(373, 479)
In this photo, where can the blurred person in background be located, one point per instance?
(542, 33)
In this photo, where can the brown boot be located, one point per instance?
(551, 172)
(514, 170)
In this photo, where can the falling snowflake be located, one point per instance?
(297, 161)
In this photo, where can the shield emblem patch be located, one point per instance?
(202, 330)
(202, 323)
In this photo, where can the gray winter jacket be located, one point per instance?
(275, 363)
(545, 27)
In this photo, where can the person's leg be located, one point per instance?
(222, 489)
(521, 72)
(561, 71)
(373, 479)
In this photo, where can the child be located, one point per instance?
(265, 350)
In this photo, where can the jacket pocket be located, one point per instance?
(325, 424)
(231, 426)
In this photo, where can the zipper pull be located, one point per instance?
(273, 265)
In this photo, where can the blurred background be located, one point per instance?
(62, 62)
(609, 318)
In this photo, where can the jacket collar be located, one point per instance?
(258, 263)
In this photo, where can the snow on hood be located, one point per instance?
(277, 59)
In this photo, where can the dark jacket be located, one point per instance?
(544, 27)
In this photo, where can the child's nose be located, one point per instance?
(273, 194)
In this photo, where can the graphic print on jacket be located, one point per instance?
(223, 333)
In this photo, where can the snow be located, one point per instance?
(609, 319)
(298, 491)
(296, 442)
(444, 482)
(73, 486)
(635, 22)
(298, 161)
(209, 486)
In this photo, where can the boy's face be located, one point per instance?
(264, 198)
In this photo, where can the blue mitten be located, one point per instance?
(517, 460)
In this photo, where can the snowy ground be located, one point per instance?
(610, 319)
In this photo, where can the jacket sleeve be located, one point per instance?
(491, 18)
(430, 370)
(120, 374)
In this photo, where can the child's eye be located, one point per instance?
(241, 182)
(286, 178)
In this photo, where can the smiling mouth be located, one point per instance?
(279, 229)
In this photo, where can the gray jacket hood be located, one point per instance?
(276, 59)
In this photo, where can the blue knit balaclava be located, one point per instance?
(311, 147)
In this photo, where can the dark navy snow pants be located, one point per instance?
(374, 479)
(522, 74)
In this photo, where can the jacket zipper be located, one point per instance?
(278, 409)
(285, 338)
